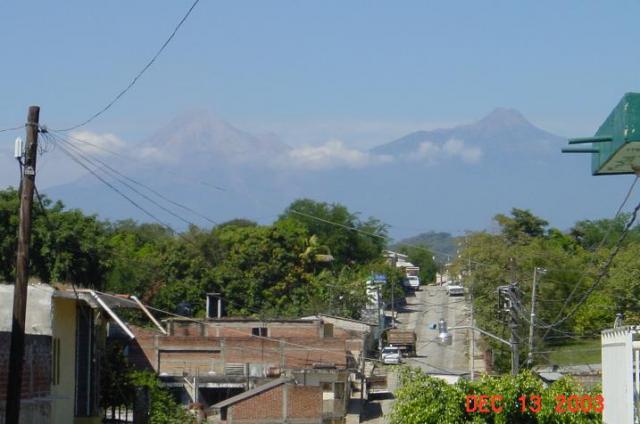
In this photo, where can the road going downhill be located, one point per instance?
(425, 308)
(429, 305)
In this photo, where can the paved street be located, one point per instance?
(426, 308)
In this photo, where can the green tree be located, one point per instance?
(423, 258)
(163, 408)
(496, 261)
(68, 246)
(344, 234)
(603, 232)
(263, 268)
(422, 400)
(9, 205)
(425, 399)
(521, 225)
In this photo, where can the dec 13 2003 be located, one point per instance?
(572, 404)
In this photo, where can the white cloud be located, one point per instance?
(155, 154)
(361, 133)
(98, 144)
(453, 148)
(331, 154)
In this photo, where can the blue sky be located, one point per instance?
(362, 72)
(285, 65)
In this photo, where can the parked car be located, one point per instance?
(391, 355)
(413, 282)
(455, 289)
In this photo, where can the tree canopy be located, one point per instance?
(301, 264)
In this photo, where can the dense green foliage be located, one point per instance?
(422, 399)
(301, 265)
(296, 266)
(572, 261)
(422, 258)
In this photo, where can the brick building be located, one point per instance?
(278, 401)
(212, 360)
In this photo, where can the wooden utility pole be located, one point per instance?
(16, 357)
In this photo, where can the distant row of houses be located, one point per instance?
(233, 370)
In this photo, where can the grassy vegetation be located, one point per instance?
(576, 352)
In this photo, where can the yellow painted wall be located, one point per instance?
(64, 328)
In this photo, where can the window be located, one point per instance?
(55, 361)
(339, 390)
(259, 331)
(86, 364)
(328, 330)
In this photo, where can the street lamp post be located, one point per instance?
(532, 318)
(486, 333)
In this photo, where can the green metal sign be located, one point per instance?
(615, 148)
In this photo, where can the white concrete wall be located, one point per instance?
(38, 320)
(617, 377)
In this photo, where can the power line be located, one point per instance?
(300, 213)
(12, 129)
(155, 192)
(353, 228)
(108, 184)
(134, 203)
(138, 75)
(603, 272)
(284, 342)
(70, 137)
(144, 196)
(604, 238)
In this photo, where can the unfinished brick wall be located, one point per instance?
(177, 353)
(239, 328)
(304, 402)
(294, 331)
(36, 372)
(189, 328)
(262, 406)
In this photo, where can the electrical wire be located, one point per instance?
(108, 184)
(70, 137)
(12, 129)
(296, 212)
(138, 75)
(603, 272)
(604, 238)
(244, 333)
(115, 173)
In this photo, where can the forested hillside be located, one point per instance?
(443, 245)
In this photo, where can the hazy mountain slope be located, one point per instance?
(504, 129)
(453, 179)
(443, 245)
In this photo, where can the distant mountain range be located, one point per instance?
(503, 129)
(450, 179)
